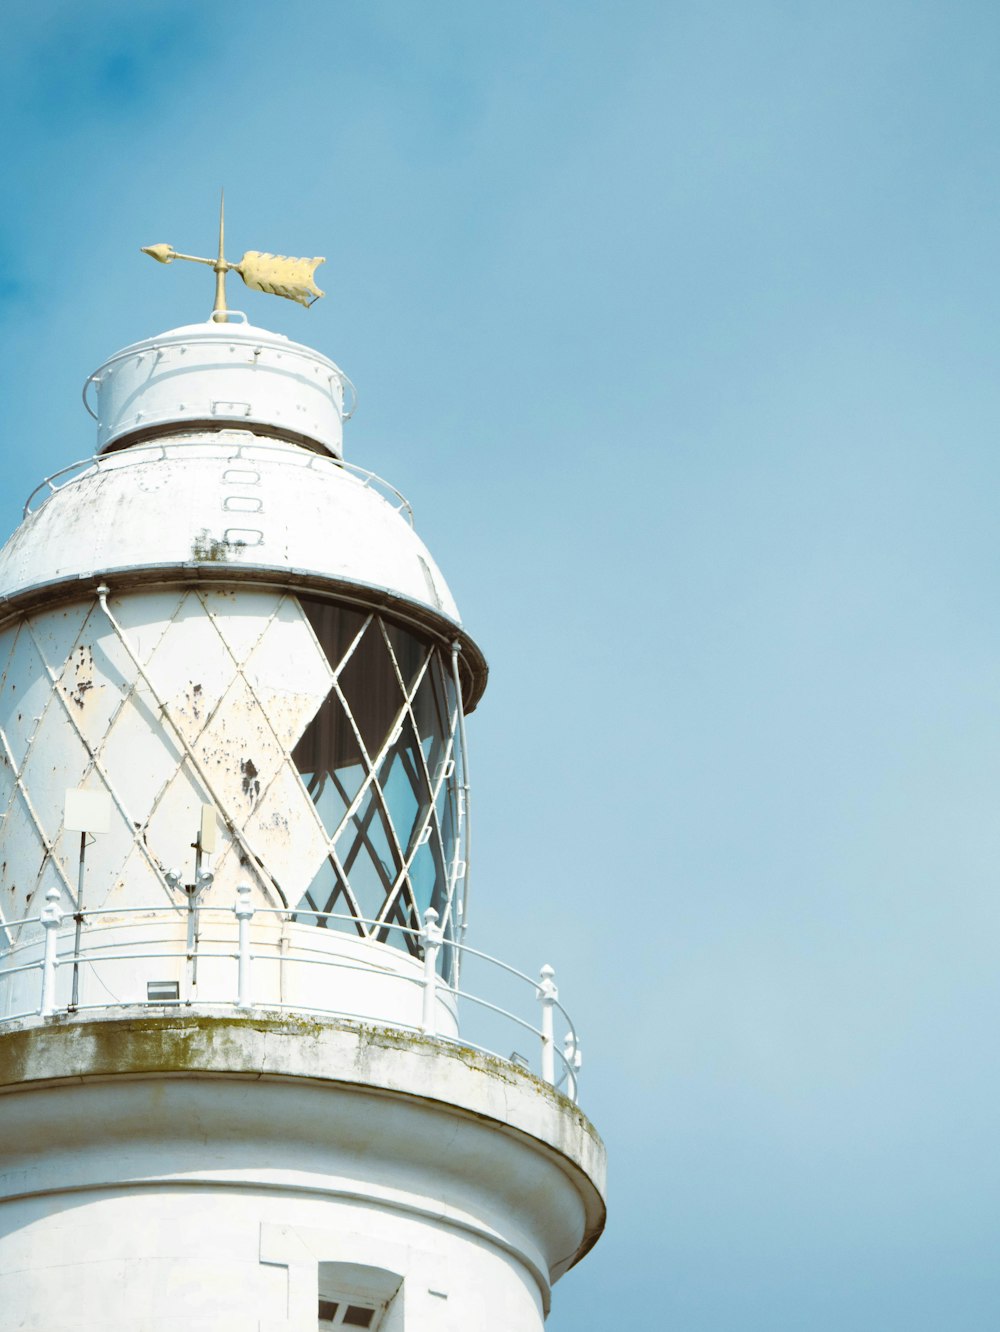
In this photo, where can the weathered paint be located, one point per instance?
(320, 519)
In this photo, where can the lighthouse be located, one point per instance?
(256, 1071)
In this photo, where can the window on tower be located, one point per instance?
(340, 1313)
(353, 1296)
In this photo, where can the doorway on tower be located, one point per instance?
(383, 765)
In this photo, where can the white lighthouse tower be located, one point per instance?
(254, 1077)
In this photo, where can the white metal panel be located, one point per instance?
(146, 619)
(289, 673)
(57, 632)
(140, 757)
(26, 693)
(22, 860)
(135, 881)
(173, 824)
(6, 791)
(239, 749)
(285, 822)
(240, 616)
(93, 693)
(8, 637)
(191, 667)
(56, 749)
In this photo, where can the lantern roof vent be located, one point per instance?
(215, 376)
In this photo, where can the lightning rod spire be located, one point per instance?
(221, 267)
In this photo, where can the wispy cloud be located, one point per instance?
(84, 66)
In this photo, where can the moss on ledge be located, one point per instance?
(258, 1044)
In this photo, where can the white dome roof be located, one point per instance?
(223, 499)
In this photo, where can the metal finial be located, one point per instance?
(275, 273)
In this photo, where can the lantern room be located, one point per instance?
(217, 623)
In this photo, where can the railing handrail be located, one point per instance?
(245, 952)
(138, 453)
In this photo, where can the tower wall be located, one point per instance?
(219, 1175)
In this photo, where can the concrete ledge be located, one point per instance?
(340, 1058)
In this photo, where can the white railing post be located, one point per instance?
(244, 911)
(573, 1058)
(548, 994)
(430, 938)
(51, 919)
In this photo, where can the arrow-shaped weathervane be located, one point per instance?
(276, 273)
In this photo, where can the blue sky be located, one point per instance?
(677, 323)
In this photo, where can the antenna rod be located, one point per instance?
(78, 931)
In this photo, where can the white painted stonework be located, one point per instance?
(243, 1080)
(193, 1172)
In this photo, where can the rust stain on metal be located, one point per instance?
(193, 701)
(251, 779)
(82, 663)
(214, 550)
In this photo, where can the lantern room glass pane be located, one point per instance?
(326, 902)
(380, 761)
(335, 626)
(408, 651)
(371, 691)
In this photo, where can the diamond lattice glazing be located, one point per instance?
(382, 763)
(327, 740)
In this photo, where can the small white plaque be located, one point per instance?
(87, 811)
(209, 832)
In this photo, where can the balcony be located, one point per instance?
(247, 958)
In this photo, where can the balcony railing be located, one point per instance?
(248, 958)
(232, 450)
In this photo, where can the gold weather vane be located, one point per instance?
(275, 273)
